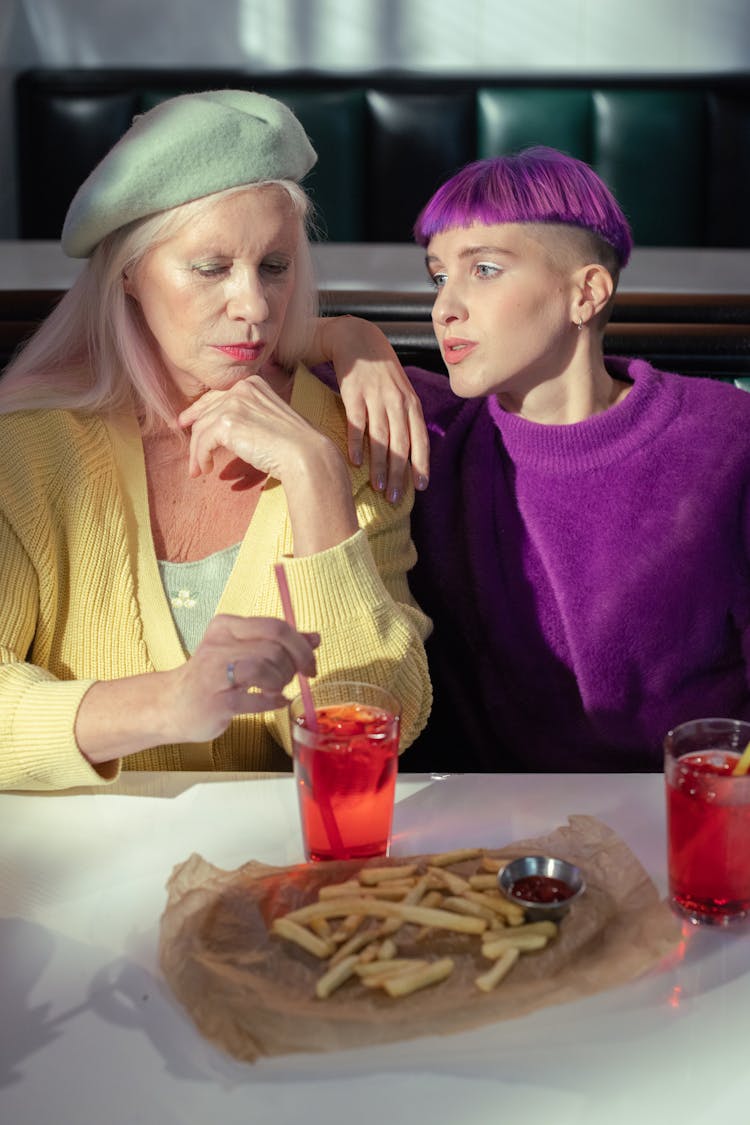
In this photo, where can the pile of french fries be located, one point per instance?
(353, 927)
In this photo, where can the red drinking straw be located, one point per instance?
(326, 812)
(286, 604)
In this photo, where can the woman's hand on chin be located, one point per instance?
(252, 422)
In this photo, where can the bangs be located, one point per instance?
(538, 185)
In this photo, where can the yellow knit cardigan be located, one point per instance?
(81, 598)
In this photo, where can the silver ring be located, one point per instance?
(230, 675)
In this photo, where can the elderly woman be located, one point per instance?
(161, 447)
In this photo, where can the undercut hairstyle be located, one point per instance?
(537, 185)
(94, 354)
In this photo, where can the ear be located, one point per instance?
(127, 283)
(593, 291)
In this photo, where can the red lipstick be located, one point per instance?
(242, 353)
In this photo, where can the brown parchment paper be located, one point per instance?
(253, 993)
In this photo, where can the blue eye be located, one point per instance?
(438, 280)
(486, 269)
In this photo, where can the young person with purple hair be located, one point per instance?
(584, 545)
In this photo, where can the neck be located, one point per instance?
(584, 388)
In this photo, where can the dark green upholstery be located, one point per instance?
(676, 151)
(509, 119)
(649, 145)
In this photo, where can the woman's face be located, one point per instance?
(214, 295)
(503, 309)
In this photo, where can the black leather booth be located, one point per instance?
(675, 150)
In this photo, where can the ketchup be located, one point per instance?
(541, 888)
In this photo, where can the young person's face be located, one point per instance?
(503, 312)
(215, 294)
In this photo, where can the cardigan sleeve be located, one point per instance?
(356, 595)
(37, 711)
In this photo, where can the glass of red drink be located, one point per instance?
(346, 769)
(708, 820)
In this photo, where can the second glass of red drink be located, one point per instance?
(346, 769)
(708, 820)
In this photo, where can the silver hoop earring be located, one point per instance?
(579, 324)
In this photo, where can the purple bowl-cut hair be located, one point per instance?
(537, 185)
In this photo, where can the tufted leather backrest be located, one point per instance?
(676, 151)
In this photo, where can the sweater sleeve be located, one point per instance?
(37, 712)
(356, 596)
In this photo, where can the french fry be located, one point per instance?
(393, 891)
(369, 876)
(385, 968)
(293, 931)
(405, 912)
(416, 895)
(489, 863)
(338, 890)
(489, 980)
(524, 943)
(335, 977)
(483, 882)
(404, 983)
(456, 884)
(418, 891)
(388, 950)
(546, 927)
(432, 898)
(347, 927)
(355, 943)
(531, 936)
(322, 927)
(369, 953)
(377, 980)
(465, 906)
(512, 913)
(447, 859)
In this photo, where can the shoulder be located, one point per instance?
(40, 447)
(712, 406)
(690, 388)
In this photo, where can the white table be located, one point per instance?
(90, 1034)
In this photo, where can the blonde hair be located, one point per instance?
(93, 353)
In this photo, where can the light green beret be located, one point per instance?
(185, 148)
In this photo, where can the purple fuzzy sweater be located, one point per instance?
(589, 584)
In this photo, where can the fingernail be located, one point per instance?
(394, 495)
(380, 482)
(357, 457)
(422, 483)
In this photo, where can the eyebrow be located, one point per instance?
(472, 251)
